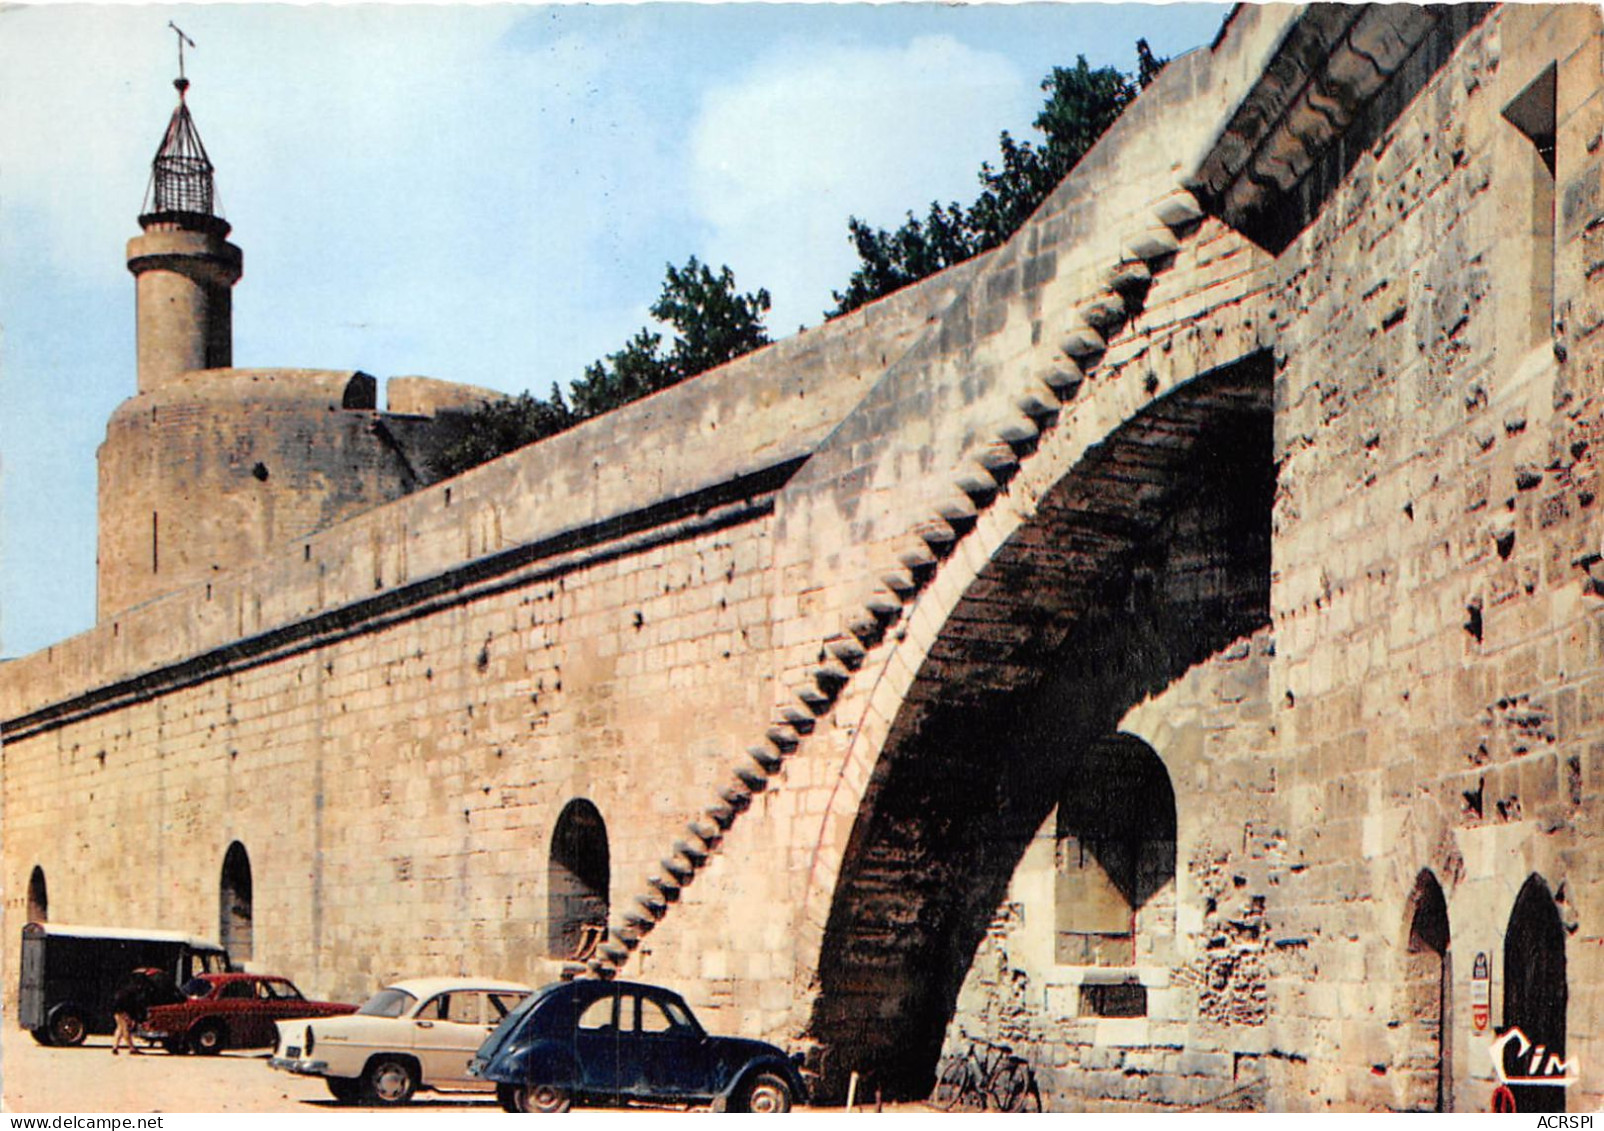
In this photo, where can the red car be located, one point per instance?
(231, 1011)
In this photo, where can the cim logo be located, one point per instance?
(1541, 1067)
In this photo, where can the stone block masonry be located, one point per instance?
(1164, 646)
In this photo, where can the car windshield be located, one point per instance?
(389, 1002)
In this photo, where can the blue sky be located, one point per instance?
(486, 194)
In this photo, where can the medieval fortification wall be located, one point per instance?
(1167, 644)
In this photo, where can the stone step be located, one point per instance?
(682, 871)
(767, 758)
(721, 813)
(695, 850)
(705, 829)
(1156, 242)
(1065, 379)
(1178, 209)
(1130, 276)
(1082, 341)
(1104, 312)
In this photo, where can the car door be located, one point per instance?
(253, 1024)
(596, 1043)
(446, 1031)
(670, 1049)
(234, 1004)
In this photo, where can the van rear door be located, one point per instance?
(31, 1002)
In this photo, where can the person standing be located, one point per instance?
(128, 1007)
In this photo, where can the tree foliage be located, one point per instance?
(1081, 104)
(712, 322)
(500, 426)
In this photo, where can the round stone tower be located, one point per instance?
(184, 267)
(209, 468)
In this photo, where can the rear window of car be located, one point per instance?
(503, 1002)
(389, 1002)
(196, 987)
(280, 991)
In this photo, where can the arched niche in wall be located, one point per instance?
(1427, 1006)
(235, 903)
(1115, 849)
(577, 881)
(1535, 991)
(38, 896)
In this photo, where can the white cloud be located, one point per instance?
(785, 153)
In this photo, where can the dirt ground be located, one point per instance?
(89, 1080)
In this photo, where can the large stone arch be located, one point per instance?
(1145, 557)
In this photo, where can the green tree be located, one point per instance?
(1081, 104)
(500, 426)
(713, 323)
(637, 370)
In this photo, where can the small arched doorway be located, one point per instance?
(1535, 990)
(235, 903)
(1428, 984)
(577, 879)
(38, 896)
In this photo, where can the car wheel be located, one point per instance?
(344, 1089)
(544, 1099)
(67, 1028)
(390, 1080)
(767, 1094)
(208, 1038)
(174, 1045)
(41, 1034)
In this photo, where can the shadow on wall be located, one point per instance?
(970, 775)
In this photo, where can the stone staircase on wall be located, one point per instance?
(976, 483)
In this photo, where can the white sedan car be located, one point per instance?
(420, 1033)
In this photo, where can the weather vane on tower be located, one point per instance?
(181, 82)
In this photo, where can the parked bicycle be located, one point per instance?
(987, 1076)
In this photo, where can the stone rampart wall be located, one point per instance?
(391, 714)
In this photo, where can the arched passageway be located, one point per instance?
(38, 896)
(1147, 558)
(577, 881)
(1535, 990)
(1427, 1007)
(236, 904)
